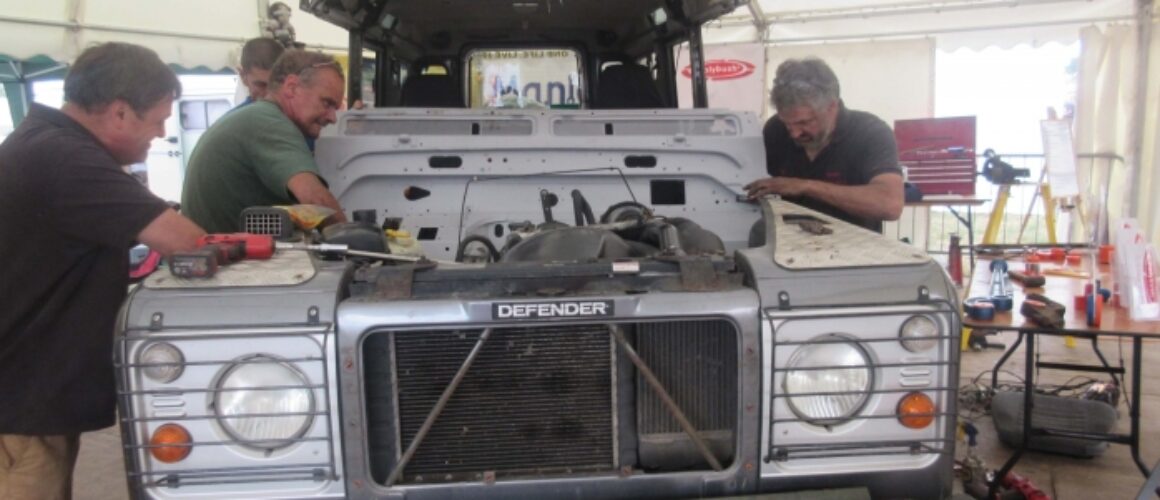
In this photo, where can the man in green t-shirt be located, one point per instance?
(257, 155)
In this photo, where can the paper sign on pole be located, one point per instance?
(1060, 157)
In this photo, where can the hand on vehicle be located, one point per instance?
(785, 186)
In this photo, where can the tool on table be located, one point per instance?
(1094, 299)
(217, 250)
(199, 263)
(1054, 254)
(1065, 272)
(1001, 293)
(1031, 263)
(251, 246)
(1028, 280)
(979, 308)
(1105, 253)
(1042, 310)
(345, 250)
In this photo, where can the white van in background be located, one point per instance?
(204, 99)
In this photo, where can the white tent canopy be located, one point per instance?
(958, 23)
(208, 32)
(203, 33)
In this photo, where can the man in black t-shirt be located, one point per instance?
(821, 155)
(70, 214)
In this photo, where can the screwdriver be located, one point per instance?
(345, 250)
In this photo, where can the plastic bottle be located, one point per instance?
(955, 260)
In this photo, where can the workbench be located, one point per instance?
(1115, 323)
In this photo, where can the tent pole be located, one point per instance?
(666, 73)
(354, 75)
(17, 101)
(697, 64)
(17, 93)
(1136, 120)
(760, 21)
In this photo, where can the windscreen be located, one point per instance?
(525, 78)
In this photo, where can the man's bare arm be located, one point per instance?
(308, 189)
(881, 199)
(170, 232)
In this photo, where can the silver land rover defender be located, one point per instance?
(599, 314)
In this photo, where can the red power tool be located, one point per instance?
(216, 250)
(252, 246)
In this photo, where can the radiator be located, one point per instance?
(542, 400)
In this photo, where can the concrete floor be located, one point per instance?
(100, 469)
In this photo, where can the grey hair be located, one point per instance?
(303, 63)
(804, 82)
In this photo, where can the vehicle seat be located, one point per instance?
(627, 86)
(431, 91)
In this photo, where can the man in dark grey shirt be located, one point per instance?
(70, 216)
(823, 156)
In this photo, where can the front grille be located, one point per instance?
(690, 356)
(536, 400)
(548, 400)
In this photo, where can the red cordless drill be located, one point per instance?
(216, 250)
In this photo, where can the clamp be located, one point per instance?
(1095, 297)
(1002, 297)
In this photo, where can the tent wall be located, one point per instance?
(1105, 102)
(892, 79)
(1148, 185)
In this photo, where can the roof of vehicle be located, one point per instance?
(445, 26)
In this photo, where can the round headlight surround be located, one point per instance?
(161, 362)
(819, 353)
(232, 398)
(919, 333)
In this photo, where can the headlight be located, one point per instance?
(918, 333)
(166, 362)
(820, 368)
(266, 386)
